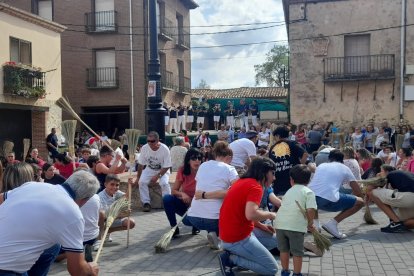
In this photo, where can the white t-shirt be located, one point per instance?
(155, 160)
(107, 200)
(211, 176)
(242, 149)
(328, 179)
(177, 157)
(90, 212)
(353, 165)
(263, 135)
(34, 217)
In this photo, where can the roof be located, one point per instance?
(32, 18)
(190, 4)
(242, 92)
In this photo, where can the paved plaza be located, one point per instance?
(366, 251)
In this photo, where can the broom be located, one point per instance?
(8, 147)
(321, 242)
(65, 105)
(68, 131)
(26, 147)
(132, 136)
(375, 182)
(113, 212)
(164, 242)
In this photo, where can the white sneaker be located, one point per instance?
(332, 228)
(108, 238)
(311, 246)
(96, 245)
(213, 240)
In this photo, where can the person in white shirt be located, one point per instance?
(243, 151)
(263, 137)
(326, 183)
(178, 152)
(157, 159)
(45, 215)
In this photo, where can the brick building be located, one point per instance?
(97, 49)
(351, 60)
(30, 78)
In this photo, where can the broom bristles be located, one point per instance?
(374, 181)
(68, 131)
(164, 242)
(369, 219)
(8, 147)
(26, 147)
(132, 141)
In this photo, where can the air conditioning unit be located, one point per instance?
(409, 69)
(409, 93)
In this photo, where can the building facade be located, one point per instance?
(30, 78)
(351, 61)
(105, 56)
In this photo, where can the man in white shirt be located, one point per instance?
(157, 159)
(42, 216)
(244, 150)
(326, 183)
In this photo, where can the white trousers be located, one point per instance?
(145, 180)
(173, 124)
(254, 120)
(181, 122)
(230, 121)
(244, 121)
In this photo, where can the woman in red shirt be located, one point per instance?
(239, 214)
(183, 190)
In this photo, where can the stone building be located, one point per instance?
(98, 47)
(30, 78)
(351, 61)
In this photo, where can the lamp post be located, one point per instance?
(155, 111)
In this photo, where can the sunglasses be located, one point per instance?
(150, 141)
(195, 158)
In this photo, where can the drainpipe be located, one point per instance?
(132, 124)
(402, 57)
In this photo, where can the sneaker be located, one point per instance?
(96, 245)
(332, 228)
(176, 233)
(146, 207)
(311, 246)
(195, 231)
(394, 227)
(285, 273)
(213, 240)
(108, 238)
(225, 264)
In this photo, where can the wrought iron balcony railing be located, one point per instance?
(167, 80)
(183, 40)
(166, 29)
(102, 78)
(24, 82)
(359, 68)
(101, 22)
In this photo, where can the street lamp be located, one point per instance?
(155, 111)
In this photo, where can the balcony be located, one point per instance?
(25, 81)
(167, 80)
(102, 78)
(101, 22)
(373, 67)
(167, 29)
(187, 86)
(183, 40)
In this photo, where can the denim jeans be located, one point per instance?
(210, 225)
(251, 254)
(268, 240)
(42, 265)
(173, 205)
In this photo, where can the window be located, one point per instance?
(43, 8)
(104, 15)
(20, 51)
(357, 51)
(105, 68)
(180, 65)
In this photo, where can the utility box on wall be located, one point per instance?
(409, 93)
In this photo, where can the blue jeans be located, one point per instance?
(173, 205)
(268, 240)
(210, 225)
(251, 254)
(42, 265)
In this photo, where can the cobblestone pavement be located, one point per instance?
(366, 251)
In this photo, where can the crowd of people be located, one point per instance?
(244, 191)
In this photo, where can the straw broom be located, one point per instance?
(8, 147)
(26, 147)
(68, 131)
(65, 105)
(322, 242)
(132, 141)
(375, 182)
(164, 242)
(113, 212)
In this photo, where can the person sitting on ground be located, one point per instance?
(405, 156)
(177, 152)
(86, 152)
(34, 158)
(183, 190)
(222, 134)
(326, 183)
(104, 167)
(400, 196)
(244, 150)
(353, 165)
(290, 224)
(213, 179)
(49, 175)
(11, 158)
(389, 156)
(107, 197)
(156, 158)
(240, 210)
(92, 162)
(375, 168)
(364, 158)
(65, 165)
(322, 154)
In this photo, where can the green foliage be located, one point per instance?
(275, 70)
(21, 81)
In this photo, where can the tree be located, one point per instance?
(203, 85)
(275, 70)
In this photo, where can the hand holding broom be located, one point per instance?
(374, 182)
